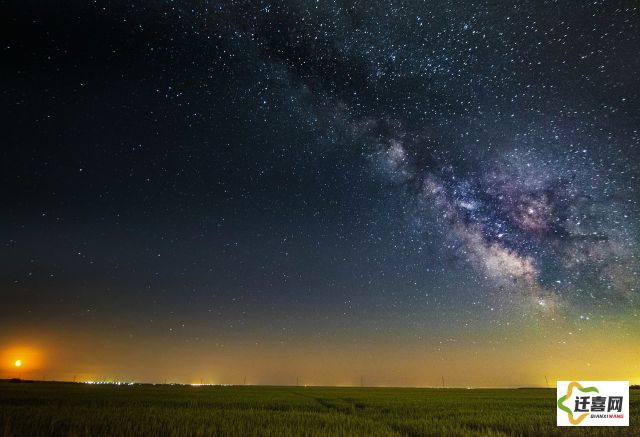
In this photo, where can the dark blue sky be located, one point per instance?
(317, 172)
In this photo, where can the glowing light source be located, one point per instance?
(25, 358)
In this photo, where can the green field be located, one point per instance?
(57, 409)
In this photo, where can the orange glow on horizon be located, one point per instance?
(523, 358)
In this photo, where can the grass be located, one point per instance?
(58, 409)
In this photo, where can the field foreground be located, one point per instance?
(59, 409)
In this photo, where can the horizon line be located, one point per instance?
(204, 384)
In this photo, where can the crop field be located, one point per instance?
(64, 409)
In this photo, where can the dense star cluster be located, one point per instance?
(255, 172)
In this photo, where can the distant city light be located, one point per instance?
(110, 382)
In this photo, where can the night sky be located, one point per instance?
(325, 190)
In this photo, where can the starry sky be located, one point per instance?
(321, 191)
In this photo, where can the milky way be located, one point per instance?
(486, 116)
(528, 223)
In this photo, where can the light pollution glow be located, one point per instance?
(496, 358)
